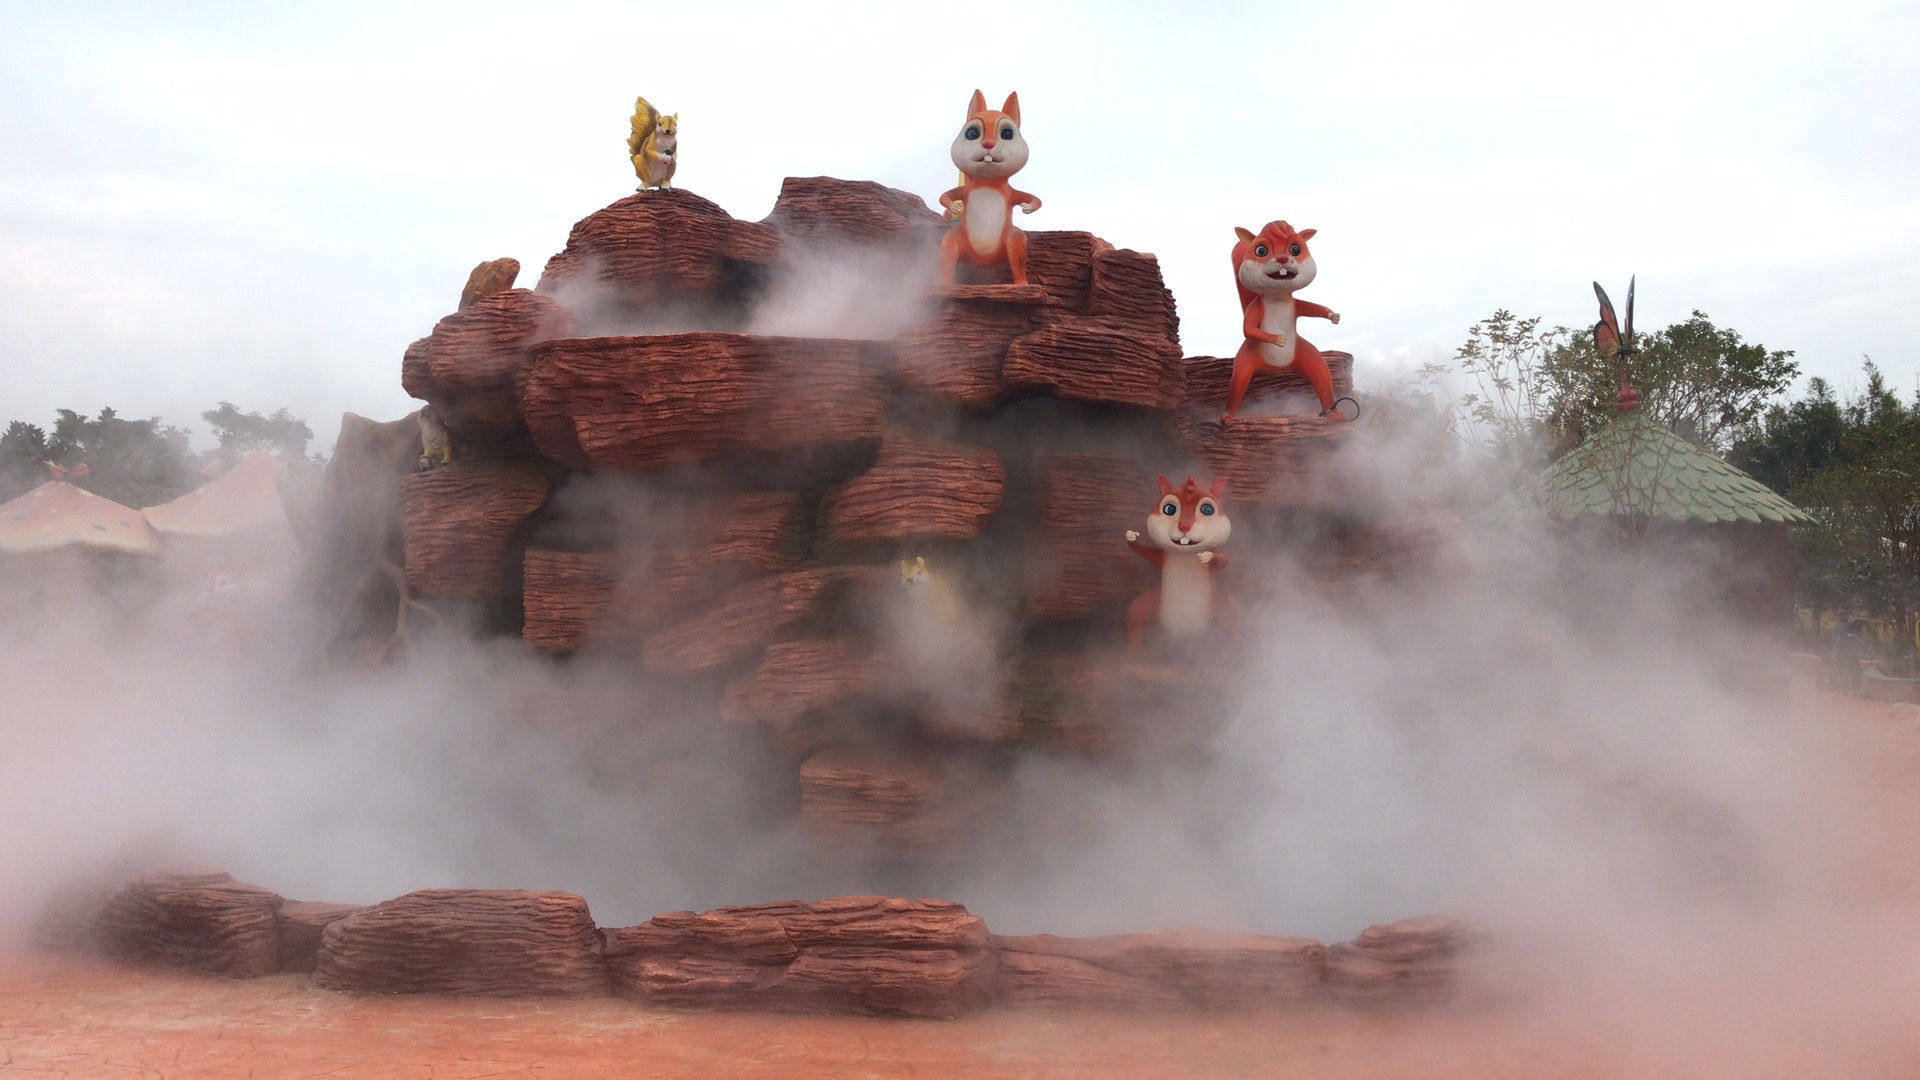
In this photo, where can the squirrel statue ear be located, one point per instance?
(978, 105)
(1219, 488)
(919, 562)
(905, 567)
(1012, 108)
(1165, 487)
(1307, 234)
(1242, 233)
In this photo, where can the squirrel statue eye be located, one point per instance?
(1207, 510)
(1259, 251)
(1294, 251)
(972, 132)
(1006, 132)
(1170, 509)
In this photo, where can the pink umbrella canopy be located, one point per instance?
(244, 498)
(58, 515)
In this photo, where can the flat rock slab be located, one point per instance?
(1096, 360)
(1207, 968)
(828, 211)
(474, 942)
(651, 402)
(192, 918)
(857, 955)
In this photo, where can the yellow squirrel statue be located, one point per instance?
(653, 144)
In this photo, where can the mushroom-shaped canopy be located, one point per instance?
(56, 515)
(239, 500)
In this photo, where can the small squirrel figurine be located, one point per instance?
(988, 150)
(652, 144)
(928, 592)
(1185, 529)
(436, 446)
(1269, 269)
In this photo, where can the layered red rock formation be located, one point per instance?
(739, 623)
(955, 356)
(1162, 968)
(915, 491)
(860, 954)
(1084, 504)
(302, 924)
(1269, 460)
(493, 276)
(1093, 360)
(567, 594)
(897, 805)
(460, 523)
(192, 918)
(826, 211)
(798, 678)
(659, 246)
(469, 364)
(471, 942)
(850, 955)
(630, 403)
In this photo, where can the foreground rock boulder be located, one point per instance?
(194, 918)
(855, 954)
(472, 942)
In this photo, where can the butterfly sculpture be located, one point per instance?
(1608, 336)
(1615, 342)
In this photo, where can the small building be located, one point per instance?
(1725, 532)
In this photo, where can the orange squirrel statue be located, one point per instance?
(1185, 528)
(988, 151)
(1269, 269)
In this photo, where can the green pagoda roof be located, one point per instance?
(1636, 464)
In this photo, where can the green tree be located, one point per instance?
(23, 459)
(134, 462)
(240, 433)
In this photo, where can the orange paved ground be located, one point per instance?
(76, 1020)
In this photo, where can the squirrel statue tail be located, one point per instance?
(645, 119)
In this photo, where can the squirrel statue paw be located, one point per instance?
(1333, 317)
(1205, 556)
(1133, 535)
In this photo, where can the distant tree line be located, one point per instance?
(141, 462)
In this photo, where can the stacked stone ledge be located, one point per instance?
(852, 955)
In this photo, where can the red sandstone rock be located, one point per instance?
(1029, 980)
(1407, 962)
(857, 955)
(1096, 360)
(905, 806)
(191, 917)
(302, 924)
(1267, 460)
(956, 357)
(493, 276)
(825, 210)
(916, 491)
(659, 245)
(1209, 378)
(1206, 967)
(1084, 503)
(461, 522)
(1126, 290)
(651, 402)
(1063, 263)
(1137, 704)
(469, 364)
(473, 942)
(566, 596)
(800, 677)
(739, 624)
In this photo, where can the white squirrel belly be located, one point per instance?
(1278, 319)
(986, 217)
(1186, 596)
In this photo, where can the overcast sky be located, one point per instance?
(266, 203)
